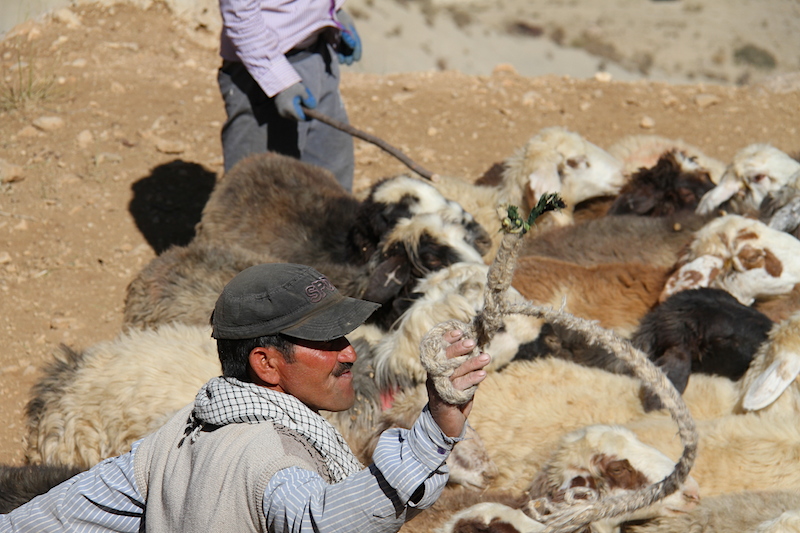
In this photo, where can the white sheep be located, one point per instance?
(455, 292)
(601, 461)
(554, 160)
(521, 411)
(96, 403)
(543, 398)
(755, 171)
(740, 255)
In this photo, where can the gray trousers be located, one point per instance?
(254, 125)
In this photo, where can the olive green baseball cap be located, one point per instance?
(295, 300)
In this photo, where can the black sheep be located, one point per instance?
(700, 331)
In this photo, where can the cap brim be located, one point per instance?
(333, 321)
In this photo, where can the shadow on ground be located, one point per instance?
(167, 204)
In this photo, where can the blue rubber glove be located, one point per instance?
(290, 102)
(348, 49)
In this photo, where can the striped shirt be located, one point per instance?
(258, 33)
(106, 498)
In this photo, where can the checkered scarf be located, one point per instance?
(226, 400)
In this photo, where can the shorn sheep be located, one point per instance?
(754, 171)
(700, 331)
(741, 256)
(554, 160)
(602, 460)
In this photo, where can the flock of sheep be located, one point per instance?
(694, 260)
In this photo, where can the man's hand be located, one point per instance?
(290, 102)
(451, 418)
(348, 49)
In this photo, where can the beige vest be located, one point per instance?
(216, 483)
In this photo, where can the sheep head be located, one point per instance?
(455, 292)
(742, 256)
(404, 197)
(675, 183)
(755, 171)
(610, 461)
(775, 367)
(557, 160)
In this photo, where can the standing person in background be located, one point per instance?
(278, 57)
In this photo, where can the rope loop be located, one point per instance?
(433, 357)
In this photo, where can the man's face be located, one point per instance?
(320, 375)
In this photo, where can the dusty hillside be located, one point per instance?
(112, 161)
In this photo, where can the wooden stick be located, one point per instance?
(380, 143)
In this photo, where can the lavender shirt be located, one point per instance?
(258, 33)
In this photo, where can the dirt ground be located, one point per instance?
(112, 162)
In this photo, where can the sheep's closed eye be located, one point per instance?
(431, 261)
(758, 178)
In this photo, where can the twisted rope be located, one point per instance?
(578, 510)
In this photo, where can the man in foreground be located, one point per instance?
(252, 453)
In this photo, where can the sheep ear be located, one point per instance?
(540, 181)
(771, 383)
(387, 280)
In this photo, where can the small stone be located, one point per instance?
(49, 123)
(584, 106)
(29, 131)
(22, 226)
(504, 68)
(84, 139)
(166, 146)
(9, 173)
(647, 123)
(5, 258)
(603, 77)
(64, 323)
(706, 100)
(65, 16)
(79, 63)
(68, 179)
(432, 131)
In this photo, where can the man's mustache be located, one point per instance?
(342, 368)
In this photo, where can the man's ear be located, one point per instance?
(266, 365)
